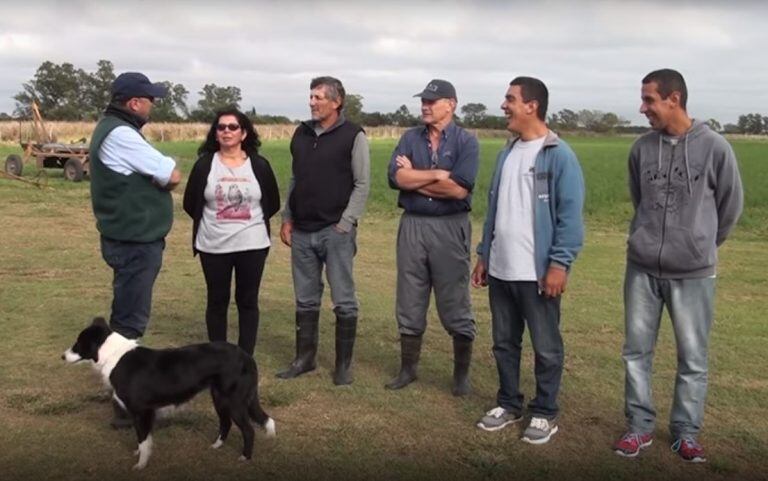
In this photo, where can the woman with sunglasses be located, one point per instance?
(230, 196)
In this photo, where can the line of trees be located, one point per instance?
(64, 92)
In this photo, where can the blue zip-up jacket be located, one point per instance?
(558, 191)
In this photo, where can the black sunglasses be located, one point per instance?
(231, 127)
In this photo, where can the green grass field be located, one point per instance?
(53, 417)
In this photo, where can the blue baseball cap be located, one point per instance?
(134, 84)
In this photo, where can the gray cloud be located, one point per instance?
(591, 54)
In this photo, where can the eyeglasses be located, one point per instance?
(231, 127)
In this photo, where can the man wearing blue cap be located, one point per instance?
(434, 167)
(130, 191)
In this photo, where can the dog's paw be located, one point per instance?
(139, 466)
(243, 458)
(217, 444)
(137, 452)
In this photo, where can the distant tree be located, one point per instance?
(565, 120)
(601, 122)
(473, 114)
(98, 90)
(589, 119)
(4, 116)
(353, 108)
(494, 122)
(731, 129)
(264, 119)
(213, 98)
(714, 125)
(402, 117)
(751, 124)
(375, 119)
(610, 121)
(60, 90)
(173, 107)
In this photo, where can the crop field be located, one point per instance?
(54, 417)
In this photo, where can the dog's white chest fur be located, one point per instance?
(110, 353)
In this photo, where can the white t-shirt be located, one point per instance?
(232, 217)
(512, 251)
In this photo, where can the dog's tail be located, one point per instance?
(260, 417)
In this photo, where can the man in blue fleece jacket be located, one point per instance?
(686, 190)
(533, 231)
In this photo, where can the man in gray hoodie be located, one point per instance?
(686, 191)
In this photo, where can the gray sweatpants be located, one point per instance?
(433, 252)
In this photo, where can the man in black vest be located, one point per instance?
(130, 192)
(326, 197)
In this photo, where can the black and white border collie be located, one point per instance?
(144, 380)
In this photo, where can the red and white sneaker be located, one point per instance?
(689, 449)
(630, 444)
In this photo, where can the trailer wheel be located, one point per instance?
(13, 165)
(73, 170)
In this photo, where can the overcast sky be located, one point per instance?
(591, 54)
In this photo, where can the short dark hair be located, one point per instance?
(250, 144)
(668, 81)
(333, 87)
(534, 89)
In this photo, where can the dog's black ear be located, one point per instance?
(99, 321)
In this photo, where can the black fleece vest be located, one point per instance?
(322, 171)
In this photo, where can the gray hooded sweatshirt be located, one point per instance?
(687, 196)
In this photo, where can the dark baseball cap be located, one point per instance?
(134, 84)
(438, 89)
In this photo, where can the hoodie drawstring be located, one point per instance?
(658, 169)
(685, 160)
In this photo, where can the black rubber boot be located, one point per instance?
(462, 357)
(410, 350)
(306, 345)
(120, 418)
(346, 329)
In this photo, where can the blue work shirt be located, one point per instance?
(458, 153)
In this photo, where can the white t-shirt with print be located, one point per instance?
(232, 217)
(512, 252)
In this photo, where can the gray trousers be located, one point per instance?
(309, 251)
(433, 253)
(690, 303)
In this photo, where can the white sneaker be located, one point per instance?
(539, 431)
(498, 418)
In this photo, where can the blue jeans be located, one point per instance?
(336, 250)
(513, 305)
(690, 303)
(135, 266)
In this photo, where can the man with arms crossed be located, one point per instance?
(434, 168)
(532, 234)
(686, 190)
